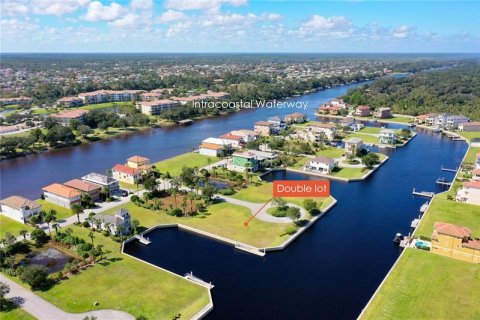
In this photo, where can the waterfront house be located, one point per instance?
(476, 175)
(278, 123)
(453, 121)
(66, 116)
(112, 223)
(383, 113)
(469, 126)
(441, 120)
(421, 119)
(455, 241)
(19, 208)
(362, 111)
(339, 103)
(329, 129)
(19, 100)
(388, 136)
(235, 141)
(156, 94)
(243, 161)
(141, 163)
(105, 181)
(469, 193)
(323, 165)
(353, 146)
(347, 122)
(247, 135)
(61, 195)
(154, 107)
(70, 102)
(296, 117)
(329, 109)
(85, 187)
(126, 174)
(264, 128)
(215, 147)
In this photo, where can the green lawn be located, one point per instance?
(349, 173)
(366, 137)
(400, 119)
(472, 155)
(443, 210)
(62, 212)
(126, 284)
(12, 226)
(424, 285)
(16, 314)
(331, 152)
(174, 165)
(371, 130)
(469, 135)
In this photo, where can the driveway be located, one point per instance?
(44, 310)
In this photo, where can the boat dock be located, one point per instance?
(423, 193)
(142, 239)
(424, 207)
(447, 169)
(195, 279)
(443, 182)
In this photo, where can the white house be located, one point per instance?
(454, 121)
(112, 223)
(322, 165)
(126, 174)
(353, 145)
(247, 135)
(235, 141)
(469, 193)
(214, 147)
(329, 129)
(388, 136)
(61, 195)
(469, 126)
(19, 208)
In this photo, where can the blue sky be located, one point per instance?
(239, 26)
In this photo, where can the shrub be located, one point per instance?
(291, 229)
(34, 275)
(39, 236)
(227, 191)
(177, 212)
(85, 224)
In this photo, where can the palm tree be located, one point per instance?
(50, 217)
(56, 226)
(91, 235)
(135, 224)
(184, 205)
(191, 196)
(209, 161)
(174, 193)
(77, 209)
(24, 233)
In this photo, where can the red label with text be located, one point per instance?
(301, 188)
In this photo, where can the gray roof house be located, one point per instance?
(112, 223)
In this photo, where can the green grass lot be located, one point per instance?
(130, 186)
(398, 118)
(424, 285)
(349, 173)
(16, 314)
(443, 210)
(174, 165)
(40, 111)
(12, 226)
(331, 152)
(366, 137)
(123, 283)
(472, 155)
(469, 135)
(370, 130)
(62, 212)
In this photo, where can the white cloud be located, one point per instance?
(141, 4)
(318, 22)
(178, 28)
(96, 11)
(170, 16)
(14, 7)
(402, 32)
(211, 5)
(57, 7)
(229, 19)
(15, 27)
(271, 16)
(126, 21)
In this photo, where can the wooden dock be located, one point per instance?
(195, 279)
(443, 182)
(423, 193)
(142, 239)
(447, 169)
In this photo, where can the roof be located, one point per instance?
(138, 159)
(218, 141)
(245, 154)
(127, 170)
(468, 124)
(18, 202)
(472, 244)
(68, 99)
(82, 185)
(323, 125)
(384, 109)
(99, 178)
(244, 132)
(453, 230)
(354, 140)
(323, 159)
(476, 171)
(61, 190)
(157, 102)
(295, 115)
(472, 184)
(263, 123)
(71, 114)
(212, 146)
(229, 136)
(363, 107)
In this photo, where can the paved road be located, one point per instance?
(44, 310)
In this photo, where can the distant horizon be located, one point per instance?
(241, 52)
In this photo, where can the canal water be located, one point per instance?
(330, 272)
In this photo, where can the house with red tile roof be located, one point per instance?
(455, 241)
(126, 174)
(61, 195)
(362, 111)
(469, 193)
(85, 187)
(138, 162)
(66, 116)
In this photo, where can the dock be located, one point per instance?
(424, 207)
(142, 239)
(423, 193)
(443, 182)
(449, 170)
(195, 279)
(185, 122)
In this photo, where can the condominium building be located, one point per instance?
(154, 107)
